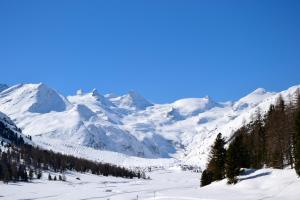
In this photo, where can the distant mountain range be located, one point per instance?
(129, 124)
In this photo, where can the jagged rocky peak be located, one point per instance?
(95, 93)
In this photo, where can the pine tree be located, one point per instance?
(258, 141)
(237, 157)
(14, 172)
(49, 177)
(297, 143)
(206, 178)
(278, 137)
(30, 174)
(232, 169)
(25, 176)
(216, 165)
(39, 174)
(7, 177)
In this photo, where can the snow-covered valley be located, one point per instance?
(131, 132)
(172, 184)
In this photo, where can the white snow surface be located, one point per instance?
(130, 101)
(171, 184)
(129, 129)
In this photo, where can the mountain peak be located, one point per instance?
(95, 93)
(84, 111)
(135, 96)
(134, 99)
(252, 99)
(79, 92)
(194, 106)
(259, 91)
(131, 101)
(256, 94)
(34, 98)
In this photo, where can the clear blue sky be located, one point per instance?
(165, 50)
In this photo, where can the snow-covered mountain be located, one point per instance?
(130, 101)
(9, 130)
(32, 98)
(128, 125)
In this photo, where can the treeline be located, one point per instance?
(271, 140)
(20, 161)
(9, 135)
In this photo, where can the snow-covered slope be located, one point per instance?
(193, 106)
(7, 123)
(130, 101)
(3, 87)
(129, 124)
(33, 98)
(170, 184)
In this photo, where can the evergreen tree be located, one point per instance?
(49, 177)
(25, 176)
(216, 165)
(6, 177)
(258, 142)
(30, 174)
(206, 178)
(237, 157)
(277, 135)
(297, 143)
(39, 174)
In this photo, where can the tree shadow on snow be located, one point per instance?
(251, 171)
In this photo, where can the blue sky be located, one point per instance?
(165, 50)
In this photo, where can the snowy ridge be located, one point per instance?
(3, 87)
(129, 126)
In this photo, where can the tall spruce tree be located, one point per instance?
(216, 163)
(277, 135)
(259, 141)
(297, 142)
(237, 157)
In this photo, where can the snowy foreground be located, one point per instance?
(164, 184)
